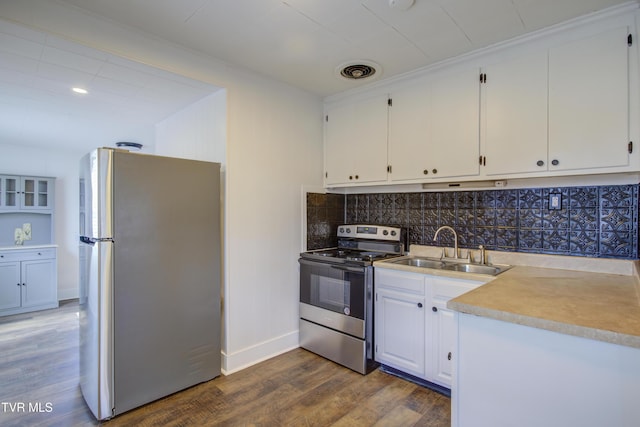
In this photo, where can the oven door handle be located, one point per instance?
(336, 266)
(349, 269)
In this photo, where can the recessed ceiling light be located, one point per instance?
(80, 90)
(401, 4)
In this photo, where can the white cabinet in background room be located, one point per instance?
(428, 121)
(356, 141)
(589, 102)
(28, 280)
(514, 102)
(414, 331)
(20, 193)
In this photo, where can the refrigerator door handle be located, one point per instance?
(92, 240)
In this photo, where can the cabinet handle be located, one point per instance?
(350, 176)
(426, 172)
(555, 162)
(357, 177)
(420, 304)
(435, 171)
(449, 356)
(18, 284)
(540, 163)
(434, 309)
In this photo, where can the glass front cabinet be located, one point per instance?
(25, 193)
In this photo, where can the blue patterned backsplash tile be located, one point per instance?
(325, 212)
(594, 221)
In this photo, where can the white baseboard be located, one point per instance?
(239, 360)
(64, 294)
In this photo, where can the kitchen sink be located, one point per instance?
(474, 268)
(492, 270)
(421, 262)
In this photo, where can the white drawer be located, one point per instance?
(27, 254)
(400, 280)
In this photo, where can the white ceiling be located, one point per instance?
(300, 42)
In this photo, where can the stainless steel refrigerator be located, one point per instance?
(149, 277)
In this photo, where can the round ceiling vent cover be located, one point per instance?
(358, 70)
(132, 146)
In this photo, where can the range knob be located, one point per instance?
(385, 232)
(341, 230)
(348, 230)
(393, 232)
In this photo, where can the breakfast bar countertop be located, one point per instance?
(599, 306)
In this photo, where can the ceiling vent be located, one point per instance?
(131, 146)
(358, 70)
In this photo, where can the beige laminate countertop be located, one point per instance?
(599, 306)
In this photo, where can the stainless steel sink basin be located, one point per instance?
(474, 268)
(421, 262)
(492, 270)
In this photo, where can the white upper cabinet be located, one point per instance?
(562, 103)
(515, 115)
(19, 193)
(434, 127)
(409, 142)
(589, 102)
(356, 141)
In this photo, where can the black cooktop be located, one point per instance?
(352, 256)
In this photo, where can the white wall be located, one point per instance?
(63, 165)
(274, 147)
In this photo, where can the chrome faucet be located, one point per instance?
(455, 238)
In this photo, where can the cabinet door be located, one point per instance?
(454, 124)
(588, 102)
(38, 278)
(36, 193)
(444, 331)
(356, 141)
(434, 126)
(9, 192)
(409, 143)
(400, 331)
(515, 115)
(10, 285)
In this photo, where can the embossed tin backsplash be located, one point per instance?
(595, 221)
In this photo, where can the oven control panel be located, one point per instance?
(373, 232)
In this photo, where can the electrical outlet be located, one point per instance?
(555, 201)
(26, 231)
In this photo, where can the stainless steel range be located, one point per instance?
(336, 289)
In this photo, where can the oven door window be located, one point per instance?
(333, 287)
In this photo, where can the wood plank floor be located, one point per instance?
(39, 368)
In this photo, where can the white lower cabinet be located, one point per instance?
(414, 331)
(28, 280)
(399, 315)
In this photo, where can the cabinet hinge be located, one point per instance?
(630, 147)
(629, 39)
(483, 77)
(389, 169)
(390, 102)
